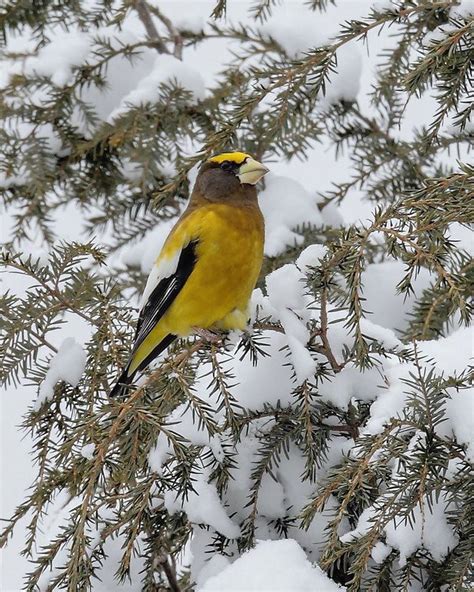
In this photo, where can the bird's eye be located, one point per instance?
(227, 165)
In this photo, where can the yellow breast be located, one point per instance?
(229, 258)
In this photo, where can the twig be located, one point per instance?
(44, 341)
(323, 333)
(172, 30)
(171, 575)
(141, 6)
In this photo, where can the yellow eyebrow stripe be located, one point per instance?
(237, 157)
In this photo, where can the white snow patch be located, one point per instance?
(380, 552)
(272, 566)
(310, 257)
(383, 5)
(68, 365)
(57, 59)
(316, 29)
(386, 307)
(167, 69)
(185, 21)
(87, 451)
(287, 294)
(203, 506)
(285, 204)
(144, 253)
(350, 383)
(428, 529)
(385, 337)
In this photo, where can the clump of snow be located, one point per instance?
(269, 382)
(213, 566)
(317, 30)
(462, 9)
(57, 59)
(144, 253)
(460, 414)
(68, 365)
(383, 5)
(391, 401)
(450, 356)
(385, 307)
(364, 524)
(272, 566)
(183, 423)
(87, 451)
(285, 204)
(286, 293)
(345, 84)
(167, 69)
(385, 337)
(428, 529)
(203, 506)
(186, 21)
(350, 383)
(380, 552)
(310, 257)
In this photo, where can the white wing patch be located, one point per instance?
(162, 269)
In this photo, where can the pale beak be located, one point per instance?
(251, 171)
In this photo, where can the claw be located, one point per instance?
(207, 335)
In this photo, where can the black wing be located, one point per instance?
(155, 307)
(163, 295)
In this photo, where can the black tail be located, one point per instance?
(121, 387)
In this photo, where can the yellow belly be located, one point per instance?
(216, 294)
(229, 258)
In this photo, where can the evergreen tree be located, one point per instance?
(320, 423)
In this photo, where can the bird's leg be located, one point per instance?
(207, 335)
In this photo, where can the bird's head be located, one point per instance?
(228, 174)
(243, 166)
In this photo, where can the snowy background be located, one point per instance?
(287, 201)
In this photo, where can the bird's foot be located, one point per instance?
(207, 335)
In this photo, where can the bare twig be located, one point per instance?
(143, 10)
(171, 575)
(172, 30)
(323, 333)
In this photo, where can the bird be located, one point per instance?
(206, 271)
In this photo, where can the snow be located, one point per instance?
(269, 382)
(462, 9)
(316, 29)
(57, 58)
(383, 5)
(450, 356)
(287, 295)
(385, 337)
(143, 254)
(364, 524)
(186, 21)
(166, 69)
(310, 257)
(87, 451)
(380, 552)
(429, 529)
(68, 365)
(384, 306)
(272, 566)
(203, 506)
(350, 383)
(285, 204)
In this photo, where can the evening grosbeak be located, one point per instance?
(206, 271)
